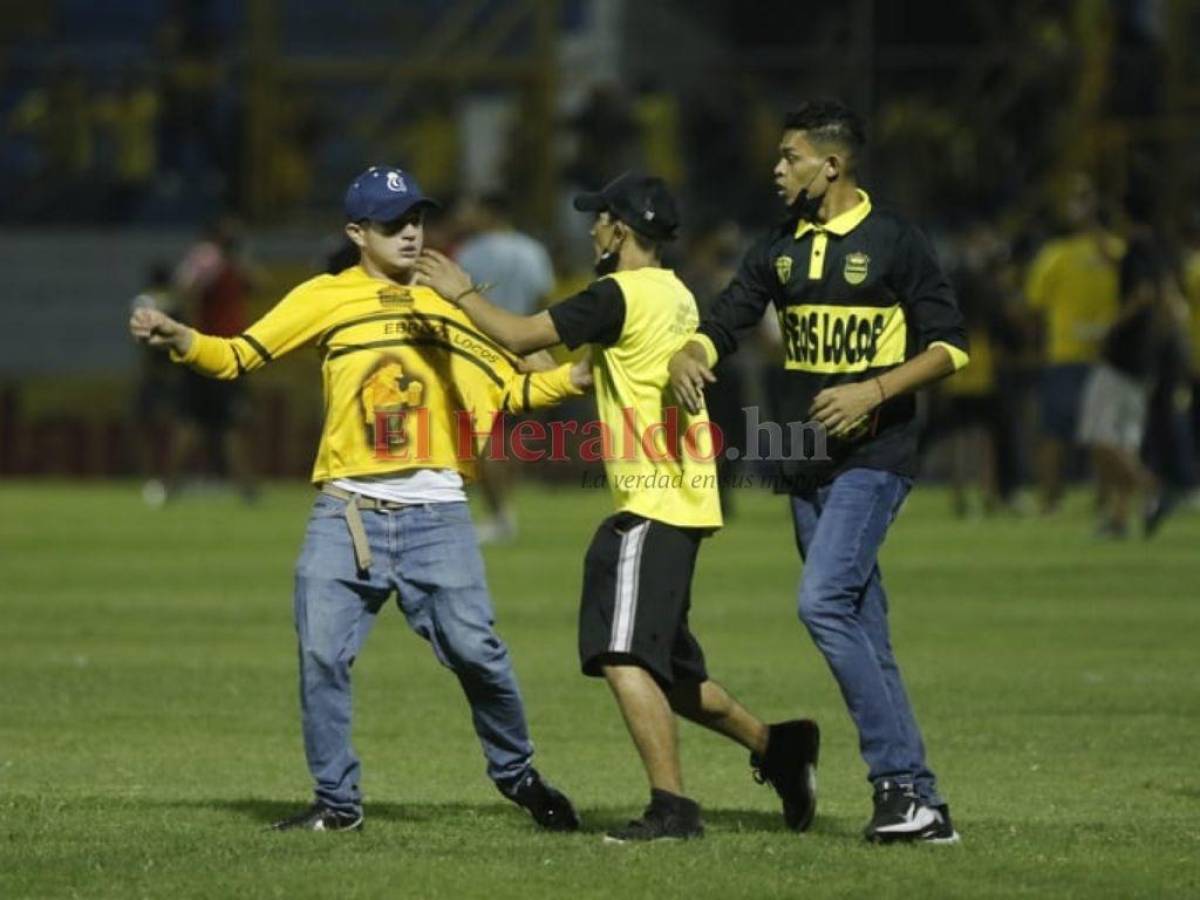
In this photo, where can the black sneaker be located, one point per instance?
(320, 817)
(942, 830)
(899, 814)
(669, 817)
(549, 806)
(790, 766)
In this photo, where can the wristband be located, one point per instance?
(473, 289)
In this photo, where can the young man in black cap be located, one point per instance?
(402, 370)
(868, 318)
(633, 620)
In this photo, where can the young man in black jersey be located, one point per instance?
(867, 318)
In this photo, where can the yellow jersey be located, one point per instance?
(658, 457)
(1075, 283)
(408, 382)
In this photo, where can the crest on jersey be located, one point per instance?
(783, 268)
(395, 296)
(855, 270)
(396, 183)
(387, 396)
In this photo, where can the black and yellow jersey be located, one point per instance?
(658, 457)
(408, 381)
(855, 296)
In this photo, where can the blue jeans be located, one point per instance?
(839, 530)
(429, 556)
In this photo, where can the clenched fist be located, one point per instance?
(157, 329)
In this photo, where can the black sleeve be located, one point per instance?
(926, 294)
(596, 315)
(742, 304)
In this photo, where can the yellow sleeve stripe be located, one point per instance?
(710, 349)
(958, 356)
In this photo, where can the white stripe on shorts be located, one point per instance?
(629, 567)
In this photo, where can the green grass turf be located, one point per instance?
(149, 724)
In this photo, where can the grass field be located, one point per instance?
(149, 723)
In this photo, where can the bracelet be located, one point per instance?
(473, 289)
(882, 392)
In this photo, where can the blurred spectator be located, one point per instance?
(1072, 285)
(426, 140)
(58, 119)
(1135, 356)
(519, 272)
(973, 406)
(186, 51)
(127, 117)
(658, 116)
(1169, 449)
(606, 133)
(1191, 281)
(214, 282)
(157, 398)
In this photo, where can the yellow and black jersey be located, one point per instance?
(658, 457)
(856, 296)
(408, 382)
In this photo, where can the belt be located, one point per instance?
(358, 534)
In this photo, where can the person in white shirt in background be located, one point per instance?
(519, 273)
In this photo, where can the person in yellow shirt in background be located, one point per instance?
(410, 388)
(1073, 285)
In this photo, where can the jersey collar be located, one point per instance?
(843, 224)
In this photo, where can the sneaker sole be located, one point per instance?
(812, 750)
(668, 838)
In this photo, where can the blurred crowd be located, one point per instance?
(1083, 304)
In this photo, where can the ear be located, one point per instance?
(354, 231)
(833, 168)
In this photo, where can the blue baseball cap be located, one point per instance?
(383, 194)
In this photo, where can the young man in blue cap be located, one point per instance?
(405, 379)
(633, 617)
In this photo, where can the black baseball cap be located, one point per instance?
(383, 194)
(643, 202)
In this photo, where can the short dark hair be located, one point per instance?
(829, 122)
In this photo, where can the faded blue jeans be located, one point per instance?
(428, 555)
(839, 530)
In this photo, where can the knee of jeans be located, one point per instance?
(320, 653)
(471, 652)
(820, 598)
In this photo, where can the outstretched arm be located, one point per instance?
(293, 322)
(520, 334)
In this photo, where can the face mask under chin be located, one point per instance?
(608, 261)
(806, 206)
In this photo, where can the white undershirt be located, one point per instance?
(417, 486)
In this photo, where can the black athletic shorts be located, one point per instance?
(637, 590)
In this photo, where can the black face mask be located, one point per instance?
(608, 261)
(806, 206)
